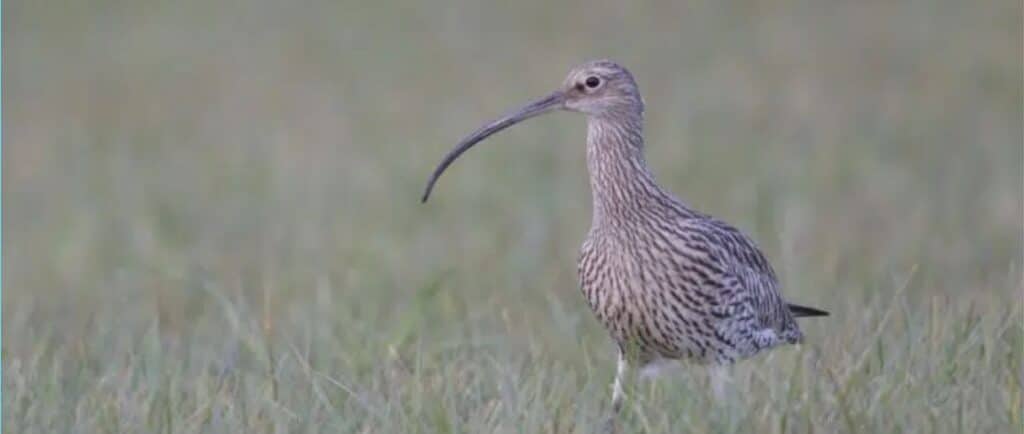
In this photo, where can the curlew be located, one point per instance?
(667, 281)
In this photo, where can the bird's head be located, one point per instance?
(599, 89)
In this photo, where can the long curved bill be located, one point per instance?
(538, 107)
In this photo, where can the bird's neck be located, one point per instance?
(620, 181)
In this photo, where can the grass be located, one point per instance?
(212, 225)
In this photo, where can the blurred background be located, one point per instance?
(212, 224)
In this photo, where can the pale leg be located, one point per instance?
(620, 373)
(618, 395)
(721, 382)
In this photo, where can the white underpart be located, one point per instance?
(766, 337)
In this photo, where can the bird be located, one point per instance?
(668, 282)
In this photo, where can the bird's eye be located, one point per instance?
(593, 82)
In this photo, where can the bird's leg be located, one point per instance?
(618, 394)
(721, 383)
(620, 377)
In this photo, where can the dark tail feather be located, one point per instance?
(802, 311)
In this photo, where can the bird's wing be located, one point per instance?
(748, 265)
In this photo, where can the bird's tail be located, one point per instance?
(802, 311)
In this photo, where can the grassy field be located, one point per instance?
(211, 215)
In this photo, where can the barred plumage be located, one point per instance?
(668, 282)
